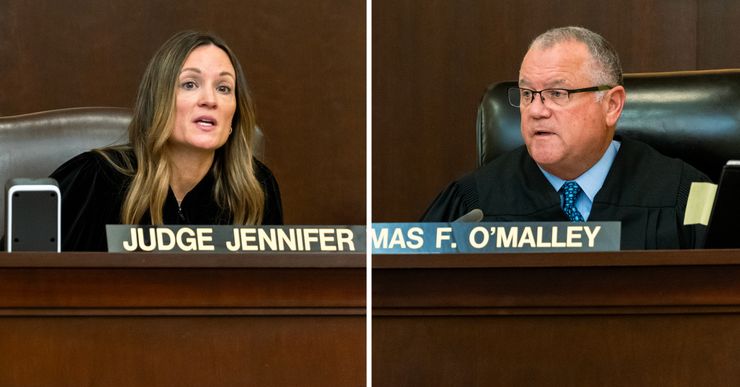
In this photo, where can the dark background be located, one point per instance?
(304, 61)
(432, 61)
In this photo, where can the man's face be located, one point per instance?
(564, 140)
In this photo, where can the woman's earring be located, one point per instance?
(230, 130)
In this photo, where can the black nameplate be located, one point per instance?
(508, 237)
(235, 239)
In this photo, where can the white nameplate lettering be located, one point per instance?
(425, 238)
(235, 239)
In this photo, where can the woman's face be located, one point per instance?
(205, 100)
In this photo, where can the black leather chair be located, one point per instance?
(691, 115)
(33, 145)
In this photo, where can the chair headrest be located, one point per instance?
(691, 115)
(33, 145)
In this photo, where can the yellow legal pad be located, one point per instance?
(699, 205)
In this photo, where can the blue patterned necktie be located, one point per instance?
(570, 191)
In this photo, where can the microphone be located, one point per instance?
(474, 216)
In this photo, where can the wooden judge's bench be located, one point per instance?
(90, 319)
(639, 318)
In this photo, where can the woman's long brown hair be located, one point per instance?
(236, 190)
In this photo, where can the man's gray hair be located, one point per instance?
(607, 69)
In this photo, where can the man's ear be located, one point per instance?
(614, 103)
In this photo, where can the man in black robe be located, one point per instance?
(572, 167)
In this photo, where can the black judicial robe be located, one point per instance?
(93, 192)
(644, 190)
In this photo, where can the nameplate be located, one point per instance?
(519, 237)
(235, 239)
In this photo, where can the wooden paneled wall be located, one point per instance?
(305, 63)
(432, 61)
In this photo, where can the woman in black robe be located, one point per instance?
(188, 160)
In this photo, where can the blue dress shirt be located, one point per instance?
(590, 181)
